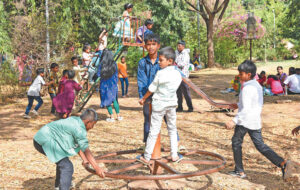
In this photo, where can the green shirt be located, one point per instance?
(62, 138)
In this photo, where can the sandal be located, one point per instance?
(180, 157)
(284, 169)
(138, 158)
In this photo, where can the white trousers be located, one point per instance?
(156, 121)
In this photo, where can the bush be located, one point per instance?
(134, 54)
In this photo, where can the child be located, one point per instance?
(143, 31)
(61, 85)
(164, 87)
(64, 101)
(108, 72)
(61, 139)
(262, 78)
(296, 130)
(122, 68)
(292, 83)
(281, 75)
(34, 93)
(248, 120)
(123, 27)
(273, 86)
(52, 88)
(147, 69)
(78, 70)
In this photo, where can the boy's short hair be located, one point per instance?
(65, 72)
(53, 65)
(39, 71)
(168, 53)
(292, 70)
(128, 6)
(248, 67)
(273, 77)
(89, 114)
(148, 21)
(74, 58)
(280, 67)
(123, 57)
(71, 74)
(152, 37)
(181, 42)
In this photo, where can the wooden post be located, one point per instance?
(250, 49)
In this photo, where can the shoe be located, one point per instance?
(237, 174)
(127, 95)
(26, 116)
(119, 118)
(180, 157)
(190, 110)
(179, 110)
(35, 112)
(141, 159)
(110, 119)
(286, 170)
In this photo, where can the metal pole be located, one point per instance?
(274, 29)
(198, 28)
(250, 49)
(47, 33)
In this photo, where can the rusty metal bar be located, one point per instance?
(166, 167)
(117, 161)
(204, 162)
(127, 168)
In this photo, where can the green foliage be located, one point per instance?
(7, 75)
(133, 56)
(5, 41)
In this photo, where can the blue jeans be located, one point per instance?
(30, 102)
(256, 137)
(122, 80)
(64, 170)
(52, 95)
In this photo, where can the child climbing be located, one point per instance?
(143, 31)
(64, 101)
(34, 93)
(122, 68)
(164, 87)
(108, 72)
(123, 28)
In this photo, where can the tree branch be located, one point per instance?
(201, 11)
(216, 6)
(226, 2)
(206, 7)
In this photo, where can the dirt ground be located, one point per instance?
(22, 167)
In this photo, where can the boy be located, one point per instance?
(66, 137)
(78, 70)
(144, 30)
(147, 68)
(34, 93)
(183, 61)
(248, 120)
(164, 87)
(52, 88)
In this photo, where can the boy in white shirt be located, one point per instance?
(248, 120)
(292, 83)
(164, 102)
(34, 93)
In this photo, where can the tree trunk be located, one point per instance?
(210, 42)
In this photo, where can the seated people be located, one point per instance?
(273, 86)
(292, 83)
(262, 78)
(281, 75)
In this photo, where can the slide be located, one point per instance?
(204, 96)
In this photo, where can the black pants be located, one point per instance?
(64, 170)
(185, 90)
(52, 95)
(237, 141)
(291, 93)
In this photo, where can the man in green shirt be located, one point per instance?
(66, 137)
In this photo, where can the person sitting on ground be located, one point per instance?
(292, 83)
(34, 93)
(61, 85)
(63, 138)
(108, 72)
(163, 88)
(281, 75)
(122, 68)
(262, 78)
(248, 120)
(143, 31)
(292, 71)
(273, 86)
(64, 101)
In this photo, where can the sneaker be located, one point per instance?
(110, 119)
(120, 118)
(26, 116)
(35, 112)
(286, 170)
(237, 174)
(190, 110)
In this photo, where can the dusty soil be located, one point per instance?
(22, 167)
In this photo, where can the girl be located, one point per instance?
(123, 27)
(122, 68)
(108, 72)
(273, 86)
(64, 101)
(262, 78)
(281, 75)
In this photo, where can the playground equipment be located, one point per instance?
(120, 41)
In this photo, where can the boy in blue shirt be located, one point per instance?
(248, 120)
(66, 137)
